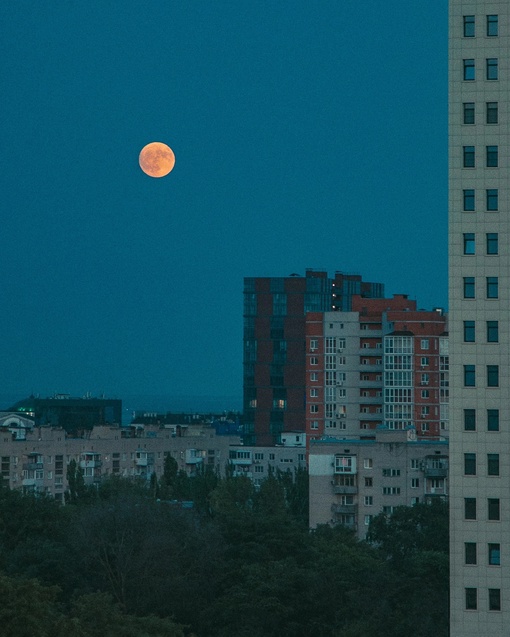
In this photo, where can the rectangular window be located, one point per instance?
(470, 552)
(469, 420)
(314, 393)
(492, 156)
(492, 68)
(492, 26)
(415, 483)
(314, 424)
(470, 508)
(492, 243)
(494, 555)
(469, 26)
(468, 156)
(314, 409)
(471, 599)
(468, 70)
(469, 112)
(469, 331)
(314, 360)
(493, 508)
(469, 242)
(492, 375)
(468, 200)
(368, 500)
(493, 464)
(492, 331)
(469, 376)
(470, 464)
(494, 599)
(492, 199)
(369, 482)
(368, 463)
(492, 419)
(314, 344)
(469, 287)
(492, 287)
(491, 113)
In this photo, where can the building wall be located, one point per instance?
(479, 292)
(353, 480)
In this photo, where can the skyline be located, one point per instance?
(303, 139)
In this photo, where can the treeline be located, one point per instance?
(126, 560)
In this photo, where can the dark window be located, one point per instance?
(492, 242)
(492, 287)
(493, 508)
(492, 375)
(494, 599)
(469, 26)
(494, 555)
(469, 157)
(470, 464)
(469, 375)
(470, 508)
(491, 113)
(493, 464)
(492, 26)
(469, 70)
(492, 419)
(469, 287)
(492, 68)
(492, 331)
(470, 552)
(468, 200)
(469, 419)
(492, 156)
(469, 112)
(492, 199)
(471, 601)
(469, 243)
(469, 331)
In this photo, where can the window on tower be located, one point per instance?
(469, 242)
(492, 68)
(492, 243)
(469, 376)
(469, 331)
(492, 156)
(492, 199)
(469, 26)
(469, 287)
(468, 200)
(469, 70)
(469, 156)
(491, 112)
(492, 26)
(469, 113)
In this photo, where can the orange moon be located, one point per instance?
(156, 159)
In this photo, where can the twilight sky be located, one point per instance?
(306, 134)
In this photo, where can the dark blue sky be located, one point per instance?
(306, 134)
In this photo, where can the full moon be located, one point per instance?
(156, 159)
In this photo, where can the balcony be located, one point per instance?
(193, 456)
(342, 490)
(32, 466)
(349, 509)
(90, 464)
(141, 461)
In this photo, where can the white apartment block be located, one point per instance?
(351, 481)
(479, 309)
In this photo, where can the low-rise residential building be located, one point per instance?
(352, 480)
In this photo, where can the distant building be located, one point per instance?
(382, 363)
(274, 345)
(71, 414)
(353, 480)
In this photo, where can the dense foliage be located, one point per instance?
(127, 559)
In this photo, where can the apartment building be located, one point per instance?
(352, 480)
(383, 362)
(479, 307)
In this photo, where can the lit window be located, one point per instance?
(468, 204)
(492, 331)
(469, 70)
(469, 156)
(469, 242)
(492, 243)
(491, 113)
(492, 375)
(469, 419)
(492, 68)
(469, 375)
(492, 287)
(469, 331)
(492, 26)
(492, 156)
(469, 112)
(469, 26)
(492, 199)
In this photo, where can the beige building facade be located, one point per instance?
(479, 307)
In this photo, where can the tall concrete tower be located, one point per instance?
(479, 309)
